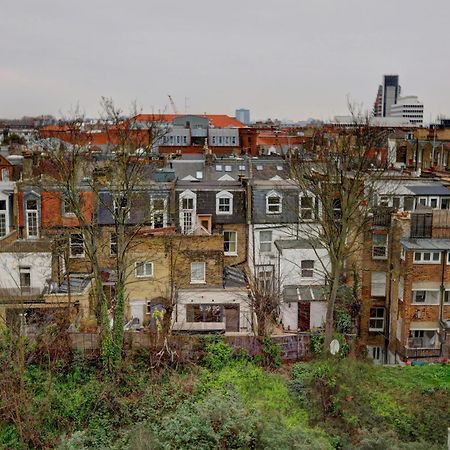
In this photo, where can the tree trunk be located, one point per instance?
(118, 331)
(329, 323)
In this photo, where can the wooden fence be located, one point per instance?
(293, 346)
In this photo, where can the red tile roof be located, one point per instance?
(217, 120)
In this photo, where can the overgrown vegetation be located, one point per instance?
(228, 401)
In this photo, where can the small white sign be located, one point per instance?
(334, 346)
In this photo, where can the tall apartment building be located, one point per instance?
(387, 95)
(389, 103)
(243, 115)
(408, 107)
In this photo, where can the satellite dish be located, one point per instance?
(334, 346)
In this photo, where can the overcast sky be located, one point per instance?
(282, 58)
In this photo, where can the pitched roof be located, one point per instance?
(217, 120)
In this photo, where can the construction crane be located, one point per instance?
(172, 103)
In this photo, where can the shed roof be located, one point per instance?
(430, 189)
(425, 244)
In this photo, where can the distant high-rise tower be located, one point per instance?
(243, 115)
(387, 95)
(389, 103)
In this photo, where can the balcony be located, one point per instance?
(418, 348)
(382, 216)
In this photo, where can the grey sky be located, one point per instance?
(287, 58)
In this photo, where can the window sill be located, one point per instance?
(222, 213)
(77, 257)
(230, 254)
(425, 304)
(198, 282)
(144, 276)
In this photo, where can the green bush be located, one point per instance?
(343, 321)
(218, 355)
(270, 353)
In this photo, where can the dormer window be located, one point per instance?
(187, 211)
(158, 213)
(121, 208)
(273, 203)
(308, 207)
(224, 203)
(31, 217)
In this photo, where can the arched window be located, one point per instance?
(273, 203)
(224, 202)
(188, 205)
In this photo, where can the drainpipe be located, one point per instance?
(387, 332)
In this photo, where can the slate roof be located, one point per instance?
(426, 244)
(431, 189)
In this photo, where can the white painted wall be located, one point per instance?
(40, 264)
(215, 296)
(290, 266)
(318, 314)
(289, 316)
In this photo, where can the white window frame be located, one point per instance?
(154, 211)
(148, 269)
(116, 208)
(274, 194)
(35, 214)
(224, 195)
(112, 243)
(66, 213)
(188, 194)
(230, 253)
(419, 257)
(422, 201)
(375, 286)
(198, 280)
(402, 253)
(25, 270)
(427, 297)
(314, 208)
(265, 242)
(199, 175)
(228, 168)
(308, 270)
(377, 318)
(437, 202)
(377, 254)
(78, 255)
(218, 166)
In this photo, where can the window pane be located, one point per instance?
(197, 271)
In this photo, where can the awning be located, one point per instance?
(431, 326)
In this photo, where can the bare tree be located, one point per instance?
(337, 179)
(79, 174)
